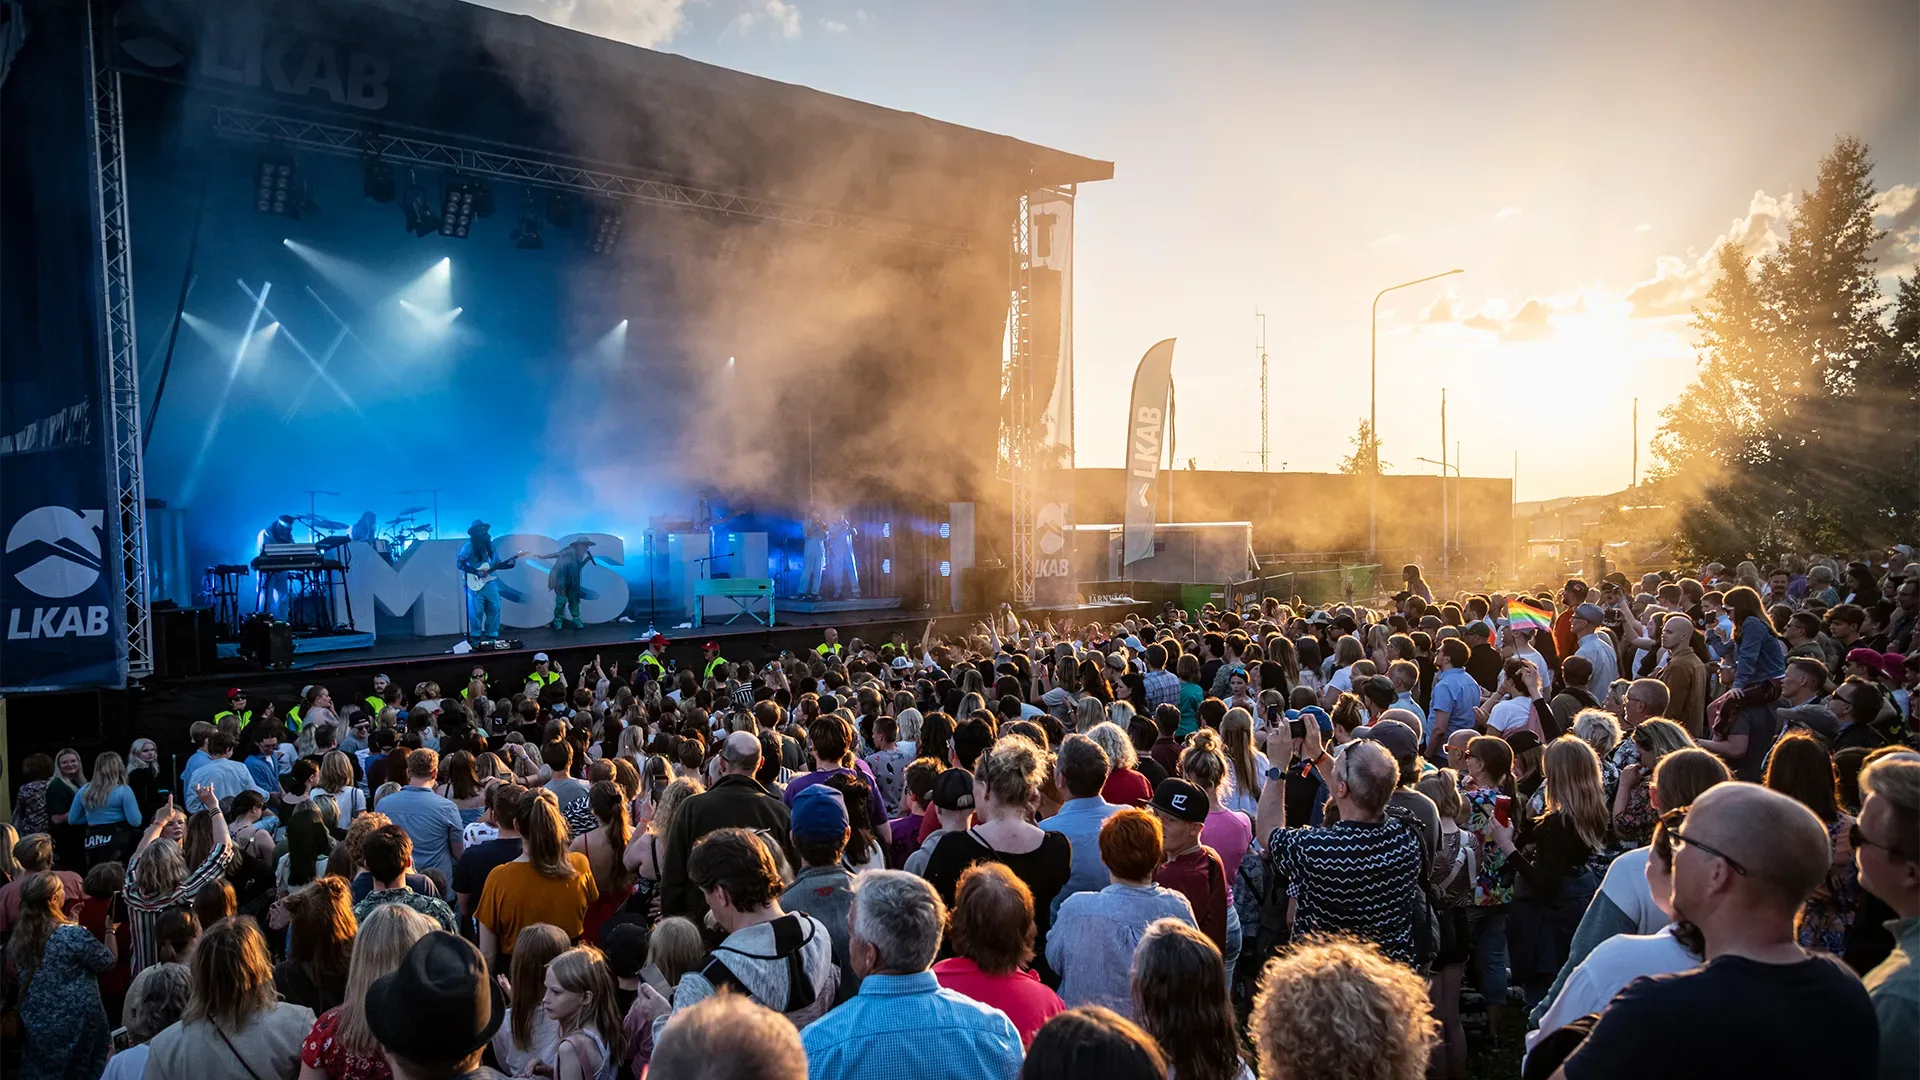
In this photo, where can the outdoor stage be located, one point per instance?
(413, 264)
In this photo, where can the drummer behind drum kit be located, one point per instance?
(400, 533)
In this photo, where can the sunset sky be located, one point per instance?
(1578, 160)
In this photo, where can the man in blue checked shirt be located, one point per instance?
(903, 1024)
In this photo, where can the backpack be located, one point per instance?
(1424, 906)
(790, 937)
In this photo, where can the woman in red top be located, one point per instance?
(1125, 785)
(340, 1046)
(991, 932)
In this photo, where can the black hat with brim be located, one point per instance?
(439, 1004)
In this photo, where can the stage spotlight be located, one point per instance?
(886, 566)
(559, 210)
(526, 234)
(378, 182)
(946, 568)
(278, 188)
(421, 220)
(603, 228)
(456, 208)
(946, 530)
(886, 529)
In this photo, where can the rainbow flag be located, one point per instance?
(1524, 615)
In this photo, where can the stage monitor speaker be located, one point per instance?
(184, 642)
(267, 641)
(985, 588)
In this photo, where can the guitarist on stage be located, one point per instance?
(478, 559)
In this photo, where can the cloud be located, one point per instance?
(1681, 282)
(1481, 322)
(833, 26)
(1898, 250)
(646, 23)
(1440, 311)
(1531, 323)
(783, 18)
(1643, 227)
(1507, 212)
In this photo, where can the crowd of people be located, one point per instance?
(1658, 828)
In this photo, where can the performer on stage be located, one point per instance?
(483, 604)
(846, 565)
(813, 577)
(564, 580)
(365, 529)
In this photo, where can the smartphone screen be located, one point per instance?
(652, 976)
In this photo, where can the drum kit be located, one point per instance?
(401, 532)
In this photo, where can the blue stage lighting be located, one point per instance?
(886, 528)
(604, 228)
(946, 530)
(946, 568)
(886, 566)
(280, 189)
(456, 208)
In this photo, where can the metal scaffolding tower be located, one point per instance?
(1262, 346)
(123, 362)
(1018, 377)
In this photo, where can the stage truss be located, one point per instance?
(1019, 379)
(123, 362)
(340, 140)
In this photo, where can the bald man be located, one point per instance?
(735, 800)
(1745, 859)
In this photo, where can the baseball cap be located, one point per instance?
(952, 790)
(657, 639)
(711, 646)
(1319, 716)
(236, 692)
(540, 658)
(901, 663)
(1397, 737)
(1864, 657)
(1182, 799)
(1522, 740)
(1893, 664)
(819, 813)
(1590, 612)
(626, 947)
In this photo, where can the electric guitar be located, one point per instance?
(478, 577)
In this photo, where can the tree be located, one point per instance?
(1797, 432)
(1365, 458)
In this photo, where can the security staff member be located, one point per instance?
(236, 707)
(831, 647)
(479, 673)
(653, 661)
(543, 673)
(378, 699)
(713, 665)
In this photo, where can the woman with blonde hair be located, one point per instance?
(158, 876)
(1551, 855)
(1632, 803)
(1088, 712)
(1379, 1007)
(235, 1026)
(336, 779)
(107, 812)
(1599, 729)
(340, 1046)
(581, 997)
(9, 864)
(546, 883)
(1006, 788)
(1126, 785)
(528, 1034)
(150, 788)
(1228, 831)
(1246, 765)
(57, 964)
(644, 850)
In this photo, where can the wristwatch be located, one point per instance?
(1274, 773)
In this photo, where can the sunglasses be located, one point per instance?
(1672, 819)
(1860, 839)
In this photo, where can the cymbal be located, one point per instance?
(319, 522)
(401, 520)
(413, 510)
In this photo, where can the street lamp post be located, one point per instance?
(1446, 563)
(1373, 407)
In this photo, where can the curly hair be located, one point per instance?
(1338, 1009)
(1012, 770)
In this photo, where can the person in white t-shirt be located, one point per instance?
(1623, 958)
(155, 1001)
